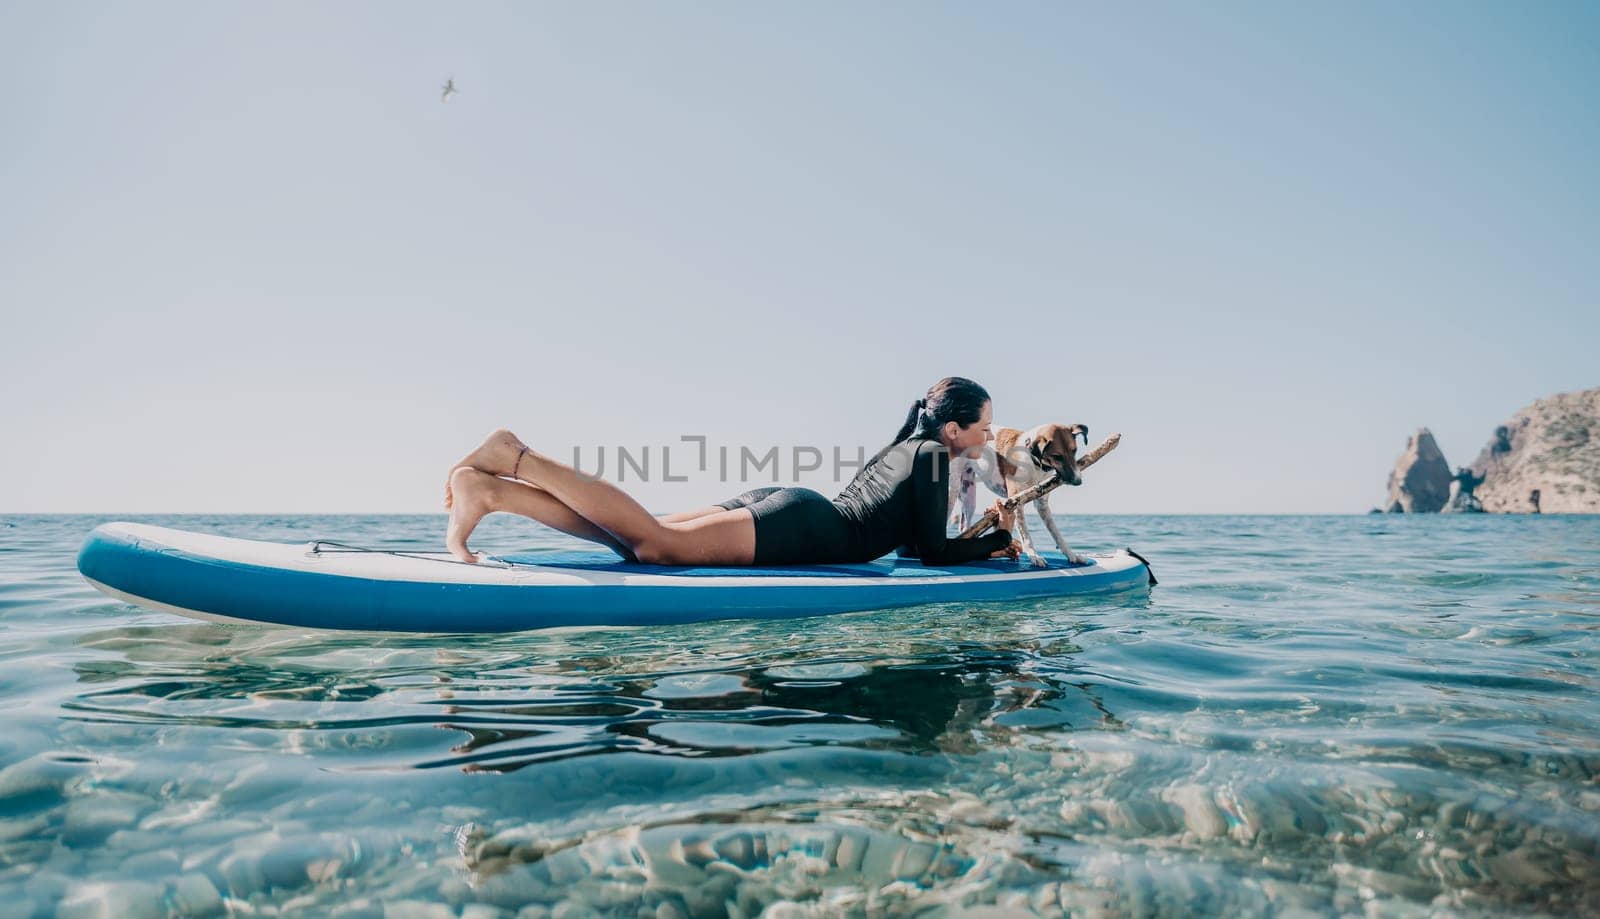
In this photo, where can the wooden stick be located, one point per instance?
(990, 517)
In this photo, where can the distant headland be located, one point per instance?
(1546, 459)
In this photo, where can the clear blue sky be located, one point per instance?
(249, 261)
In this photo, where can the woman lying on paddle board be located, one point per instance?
(899, 499)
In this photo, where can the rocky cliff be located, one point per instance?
(1552, 446)
(1546, 459)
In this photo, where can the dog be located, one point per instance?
(1015, 462)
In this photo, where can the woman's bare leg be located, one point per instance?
(684, 516)
(479, 494)
(726, 537)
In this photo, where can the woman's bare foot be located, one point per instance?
(497, 455)
(472, 490)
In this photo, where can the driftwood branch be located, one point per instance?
(991, 517)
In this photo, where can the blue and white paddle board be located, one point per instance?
(326, 586)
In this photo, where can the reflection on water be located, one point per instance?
(1310, 714)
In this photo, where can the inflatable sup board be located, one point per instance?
(327, 585)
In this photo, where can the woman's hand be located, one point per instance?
(1013, 551)
(1006, 516)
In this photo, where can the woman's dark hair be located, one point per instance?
(955, 399)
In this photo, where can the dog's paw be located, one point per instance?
(1038, 561)
(1074, 558)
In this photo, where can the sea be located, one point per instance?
(1307, 716)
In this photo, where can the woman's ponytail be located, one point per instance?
(955, 399)
(912, 417)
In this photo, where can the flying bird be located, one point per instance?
(449, 90)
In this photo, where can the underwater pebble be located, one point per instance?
(195, 895)
(417, 909)
(570, 910)
(913, 861)
(113, 900)
(753, 898)
(1149, 817)
(880, 857)
(14, 830)
(48, 886)
(993, 912)
(1308, 817)
(707, 901)
(324, 870)
(135, 840)
(242, 873)
(1077, 900)
(230, 830)
(516, 887)
(851, 849)
(1583, 867)
(1398, 885)
(1519, 867)
(92, 818)
(1272, 818)
(1392, 822)
(361, 908)
(453, 890)
(181, 814)
(1201, 816)
(151, 864)
(738, 849)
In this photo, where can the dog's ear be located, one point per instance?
(1080, 430)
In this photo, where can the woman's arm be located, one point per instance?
(930, 498)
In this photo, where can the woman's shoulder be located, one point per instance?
(929, 459)
(898, 459)
(915, 448)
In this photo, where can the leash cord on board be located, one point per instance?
(1148, 570)
(317, 548)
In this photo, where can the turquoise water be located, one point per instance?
(1309, 715)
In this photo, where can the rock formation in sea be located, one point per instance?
(1420, 482)
(1551, 447)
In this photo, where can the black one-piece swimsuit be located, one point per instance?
(899, 499)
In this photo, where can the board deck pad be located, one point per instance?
(889, 566)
